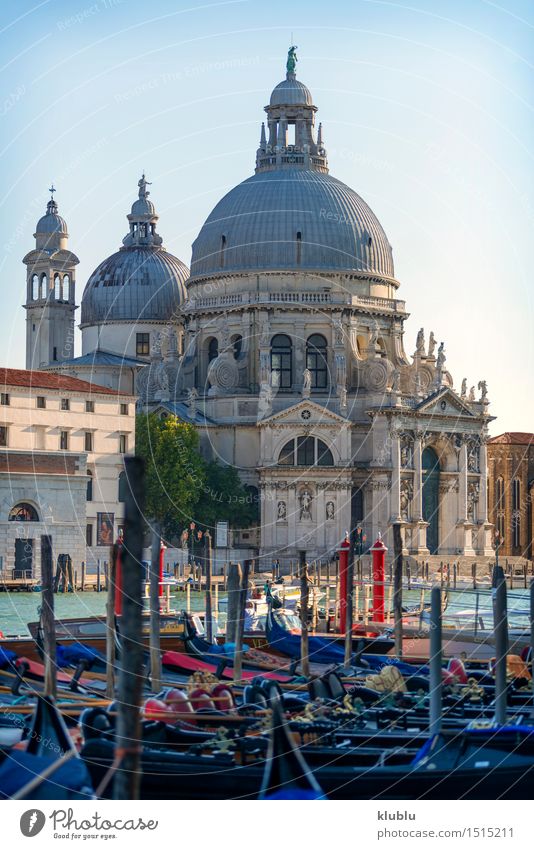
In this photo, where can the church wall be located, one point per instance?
(117, 337)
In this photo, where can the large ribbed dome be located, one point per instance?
(135, 284)
(142, 281)
(259, 224)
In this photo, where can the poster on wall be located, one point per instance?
(104, 528)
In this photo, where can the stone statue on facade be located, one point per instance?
(306, 384)
(330, 510)
(265, 401)
(192, 398)
(463, 392)
(472, 394)
(305, 505)
(406, 451)
(281, 511)
(342, 399)
(406, 495)
(395, 380)
(265, 366)
(483, 388)
(338, 332)
(431, 344)
(440, 362)
(420, 343)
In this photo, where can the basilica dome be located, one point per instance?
(292, 214)
(141, 281)
(291, 219)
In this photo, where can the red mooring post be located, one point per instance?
(379, 574)
(343, 551)
(118, 578)
(161, 562)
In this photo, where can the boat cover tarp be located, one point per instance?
(187, 663)
(70, 781)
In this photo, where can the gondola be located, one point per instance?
(50, 751)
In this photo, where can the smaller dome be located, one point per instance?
(143, 206)
(51, 224)
(291, 92)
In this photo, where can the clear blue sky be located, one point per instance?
(426, 109)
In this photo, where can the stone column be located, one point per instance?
(292, 516)
(418, 479)
(462, 481)
(483, 495)
(320, 518)
(395, 478)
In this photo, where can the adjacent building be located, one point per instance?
(511, 489)
(62, 443)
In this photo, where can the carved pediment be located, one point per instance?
(445, 402)
(306, 412)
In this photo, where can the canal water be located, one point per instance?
(17, 609)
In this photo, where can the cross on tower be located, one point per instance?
(52, 190)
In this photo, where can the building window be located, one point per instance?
(122, 487)
(54, 355)
(64, 440)
(4, 399)
(213, 349)
(310, 452)
(89, 491)
(499, 508)
(142, 344)
(316, 361)
(281, 361)
(23, 512)
(89, 406)
(123, 443)
(237, 344)
(89, 535)
(516, 513)
(65, 403)
(88, 440)
(41, 402)
(124, 409)
(3, 436)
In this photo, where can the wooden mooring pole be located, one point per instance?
(128, 734)
(240, 625)
(500, 631)
(155, 625)
(397, 588)
(110, 623)
(435, 661)
(304, 642)
(47, 617)
(208, 569)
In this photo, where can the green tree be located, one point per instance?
(175, 472)
(224, 498)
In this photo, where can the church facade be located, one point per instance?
(285, 345)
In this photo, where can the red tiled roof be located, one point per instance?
(51, 380)
(513, 437)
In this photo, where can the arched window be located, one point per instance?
(308, 452)
(123, 486)
(223, 248)
(89, 492)
(65, 288)
(316, 360)
(35, 287)
(44, 286)
(23, 512)
(499, 507)
(324, 455)
(237, 342)
(299, 247)
(57, 287)
(213, 349)
(281, 361)
(516, 513)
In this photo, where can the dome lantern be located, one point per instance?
(291, 122)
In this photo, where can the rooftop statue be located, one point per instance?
(143, 183)
(291, 60)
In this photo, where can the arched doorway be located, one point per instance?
(430, 465)
(23, 512)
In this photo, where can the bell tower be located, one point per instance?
(50, 292)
